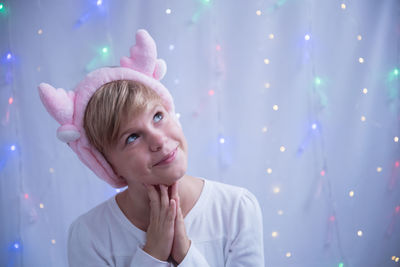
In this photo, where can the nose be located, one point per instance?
(156, 141)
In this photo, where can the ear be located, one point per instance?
(160, 69)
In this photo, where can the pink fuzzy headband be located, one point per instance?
(68, 108)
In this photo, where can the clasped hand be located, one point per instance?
(166, 234)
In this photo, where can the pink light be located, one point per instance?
(218, 48)
(323, 173)
(397, 164)
(26, 196)
(332, 218)
(211, 92)
(10, 100)
(397, 209)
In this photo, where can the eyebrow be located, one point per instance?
(156, 106)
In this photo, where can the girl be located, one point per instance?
(122, 125)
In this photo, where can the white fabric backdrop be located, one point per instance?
(220, 47)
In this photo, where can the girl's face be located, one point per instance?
(150, 149)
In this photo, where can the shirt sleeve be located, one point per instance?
(193, 258)
(247, 247)
(83, 250)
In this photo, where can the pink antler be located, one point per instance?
(143, 57)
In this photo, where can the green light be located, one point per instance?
(396, 71)
(1, 6)
(341, 264)
(317, 81)
(104, 50)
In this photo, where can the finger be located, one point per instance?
(154, 200)
(174, 190)
(172, 212)
(179, 215)
(164, 197)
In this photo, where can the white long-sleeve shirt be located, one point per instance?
(224, 226)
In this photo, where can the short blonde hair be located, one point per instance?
(108, 106)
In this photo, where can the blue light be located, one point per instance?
(99, 2)
(13, 147)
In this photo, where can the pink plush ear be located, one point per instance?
(160, 70)
(58, 103)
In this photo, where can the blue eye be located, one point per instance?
(131, 138)
(158, 117)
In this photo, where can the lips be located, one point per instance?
(167, 158)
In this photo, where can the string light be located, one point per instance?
(171, 47)
(280, 212)
(10, 100)
(51, 170)
(269, 170)
(341, 264)
(314, 126)
(218, 47)
(288, 254)
(351, 193)
(258, 12)
(359, 233)
(274, 234)
(26, 196)
(322, 173)
(264, 129)
(211, 92)
(317, 81)
(41, 205)
(361, 60)
(379, 169)
(40, 31)
(168, 11)
(343, 6)
(267, 85)
(397, 164)
(363, 118)
(276, 190)
(221, 140)
(307, 37)
(359, 37)
(365, 91)
(13, 147)
(9, 57)
(271, 36)
(1, 6)
(53, 241)
(178, 115)
(275, 107)
(266, 61)
(17, 245)
(99, 2)
(104, 50)
(282, 149)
